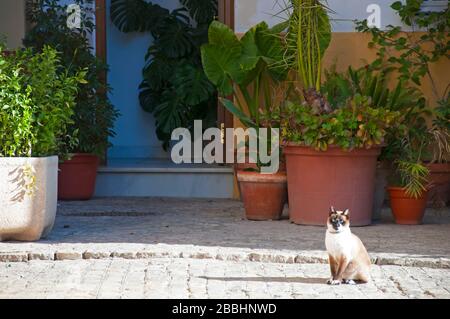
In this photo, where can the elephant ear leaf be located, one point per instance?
(250, 51)
(272, 50)
(261, 49)
(220, 58)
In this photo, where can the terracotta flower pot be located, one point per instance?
(77, 176)
(440, 184)
(264, 195)
(318, 180)
(247, 166)
(406, 209)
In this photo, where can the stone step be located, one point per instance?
(162, 178)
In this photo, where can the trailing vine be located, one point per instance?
(174, 87)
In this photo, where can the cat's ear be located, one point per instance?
(346, 212)
(332, 210)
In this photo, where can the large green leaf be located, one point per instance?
(220, 66)
(176, 40)
(271, 50)
(191, 83)
(202, 11)
(220, 58)
(136, 15)
(250, 55)
(221, 35)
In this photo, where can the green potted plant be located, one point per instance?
(247, 70)
(412, 57)
(331, 143)
(37, 101)
(94, 114)
(440, 164)
(408, 188)
(385, 92)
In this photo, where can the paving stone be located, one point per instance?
(145, 228)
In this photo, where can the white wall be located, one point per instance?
(250, 12)
(12, 22)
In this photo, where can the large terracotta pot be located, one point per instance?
(77, 176)
(440, 184)
(406, 209)
(264, 195)
(318, 180)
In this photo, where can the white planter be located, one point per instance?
(27, 208)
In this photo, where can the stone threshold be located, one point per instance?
(215, 253)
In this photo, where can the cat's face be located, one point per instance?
(338, 221)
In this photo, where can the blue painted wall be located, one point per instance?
(135, 129)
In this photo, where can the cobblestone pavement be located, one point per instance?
(216, 229)
(194, 278)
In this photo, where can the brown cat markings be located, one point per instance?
(349, 260)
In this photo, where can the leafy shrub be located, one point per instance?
(354, 125)
(37, 101)
(94, 114)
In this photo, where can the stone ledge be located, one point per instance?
(218, 253)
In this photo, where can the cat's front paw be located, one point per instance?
(333, 282)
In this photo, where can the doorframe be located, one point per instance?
(227, 16)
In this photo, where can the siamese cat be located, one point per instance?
(349, 260)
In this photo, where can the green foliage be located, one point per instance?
(413, 140)
(373, 83)
(174, 89)
(440, 131)
(412, 56)
(245, 68)
(414, 177)
(94, 114)
(354, 125)
(37, 101)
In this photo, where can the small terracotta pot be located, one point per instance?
(247, 166)
(406, 209)
(318, 180)
(264, 195)
(77, 176)
(440, 184)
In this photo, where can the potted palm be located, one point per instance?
(409, 186)
(94, 114)
(37, 100)
(331, 146)
(248, 70)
